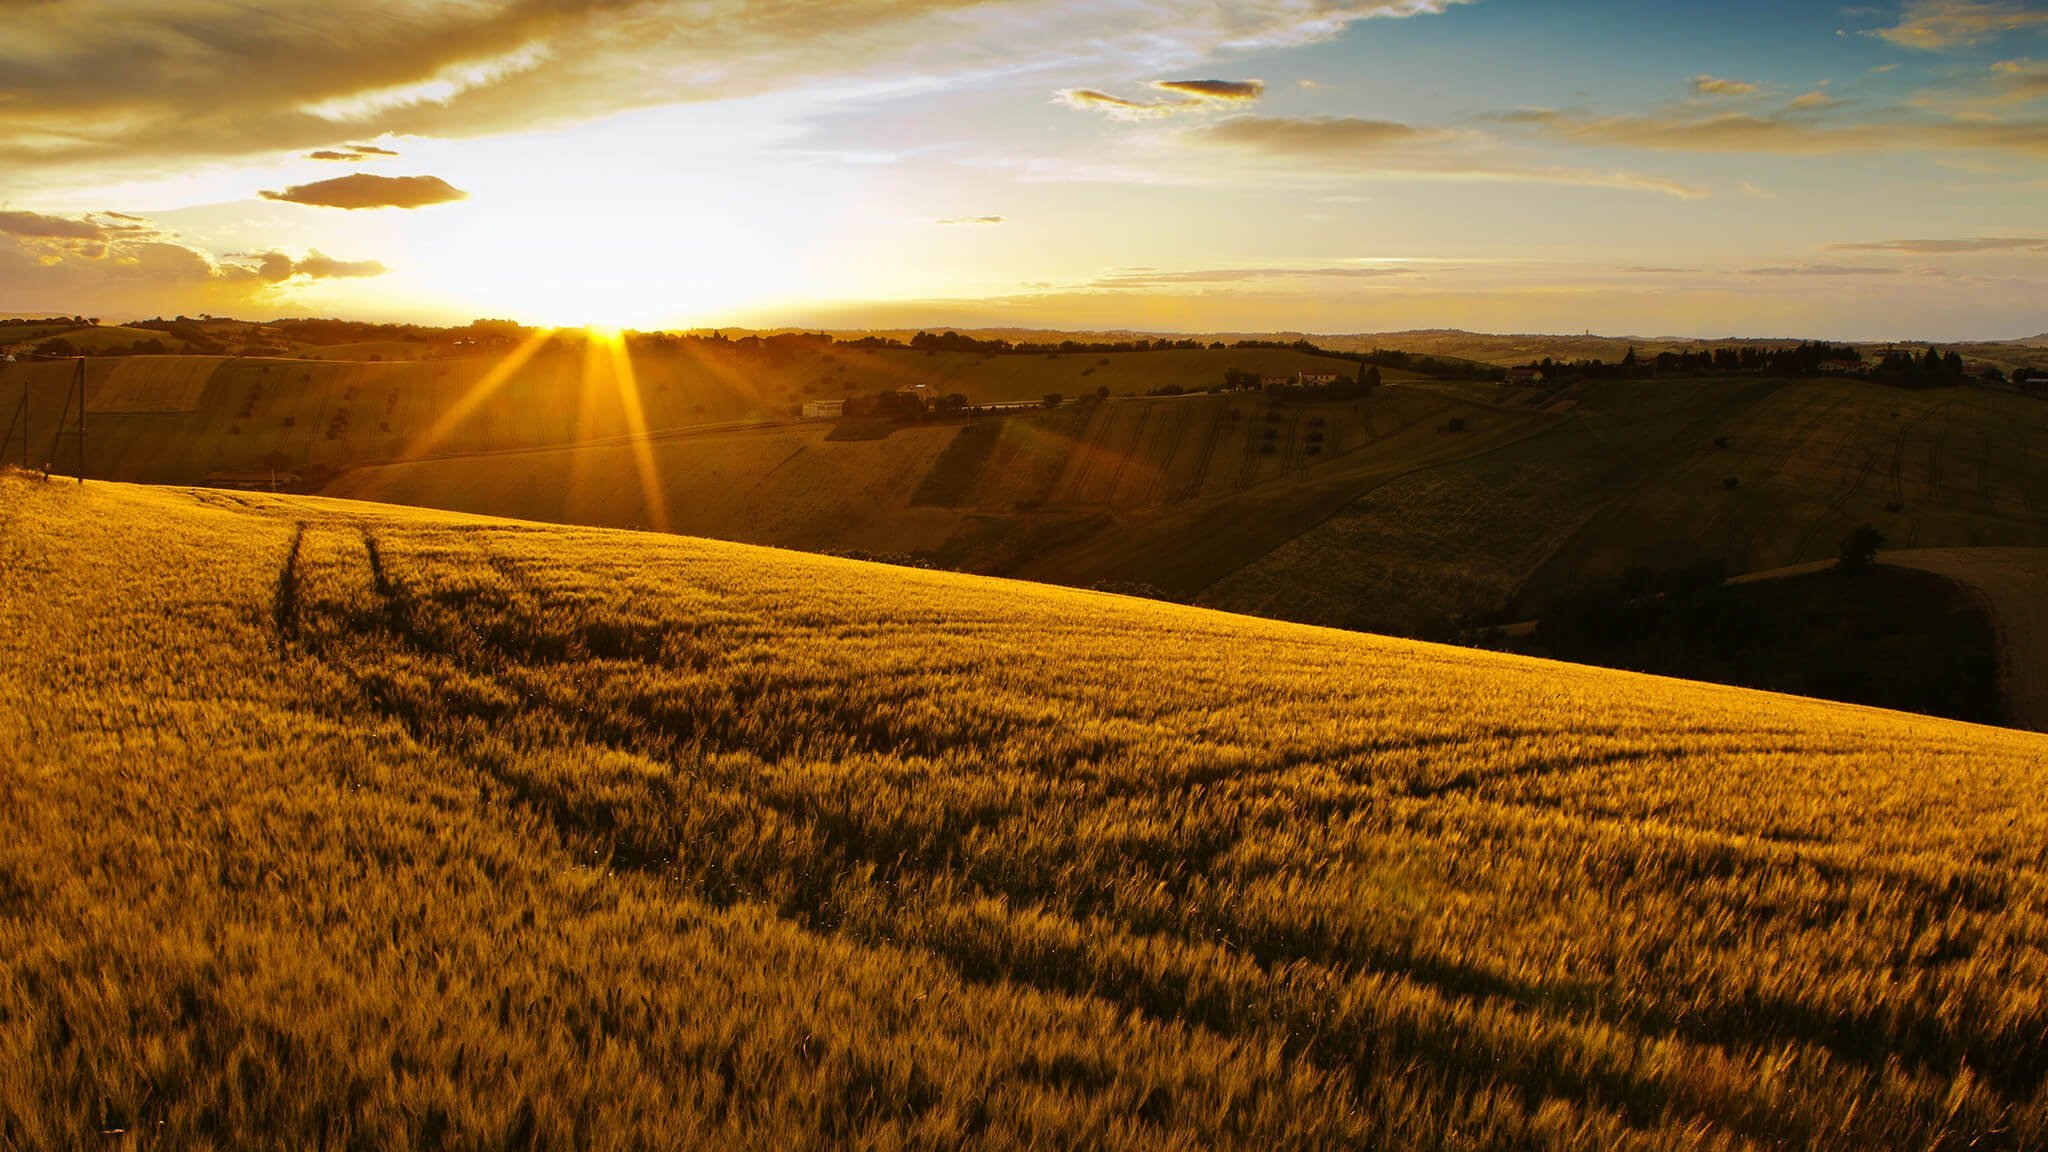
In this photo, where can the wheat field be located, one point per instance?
(345, 826)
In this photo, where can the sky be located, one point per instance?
(1647, 167)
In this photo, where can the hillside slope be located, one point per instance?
(340, 824)
(1753, 473)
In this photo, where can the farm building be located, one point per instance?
(1525, 375)
(823, 409)
(1319, 379)
(1275, 381)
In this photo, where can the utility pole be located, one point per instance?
(81, 419)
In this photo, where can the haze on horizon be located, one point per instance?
(1740, 168)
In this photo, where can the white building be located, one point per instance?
(823, 409)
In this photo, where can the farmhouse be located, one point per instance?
(1525, 375)
(823, 409)
(1319, 379)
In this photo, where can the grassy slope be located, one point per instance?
(1634, 478)
(1891, 637)
(330, 823)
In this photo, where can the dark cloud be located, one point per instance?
(1181, 96)
(364, 190)
(1232, 90)
(350, 153)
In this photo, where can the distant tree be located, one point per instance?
(1859, 549)
(1102, 392)
(1054, 399)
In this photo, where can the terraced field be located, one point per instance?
(333, 824)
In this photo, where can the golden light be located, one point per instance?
(480, 392)
(636, 428)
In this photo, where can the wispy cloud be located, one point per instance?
(973, 220)
(1824, 270)
(1937, 25)
(1716, 86)
(1950, 247)
(1355, 146)
(1778, 134)
(1152, 278)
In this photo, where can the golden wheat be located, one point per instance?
(336, 825)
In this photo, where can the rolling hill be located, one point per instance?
(340, 824)
(1422, 507)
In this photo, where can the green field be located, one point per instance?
(337, 825)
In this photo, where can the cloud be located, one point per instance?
(350, 153)
(1355, 146)
(1150, 278)
(1937, 25)
(1950, 247)
(1743, 132)
(1181, 96)
(1811, 100)
(147, 83)
(973, 220)
(36, 224)
(1315, 136)
(1824, 270)
(149, 272)
(1090, 99)
(2019, 81)
(1227, 90)
(363, 190)
(276, 267)
(1715, 86)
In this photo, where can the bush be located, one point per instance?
(1859, 549)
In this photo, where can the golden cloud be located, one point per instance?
(1936, 25)
(364, 190)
